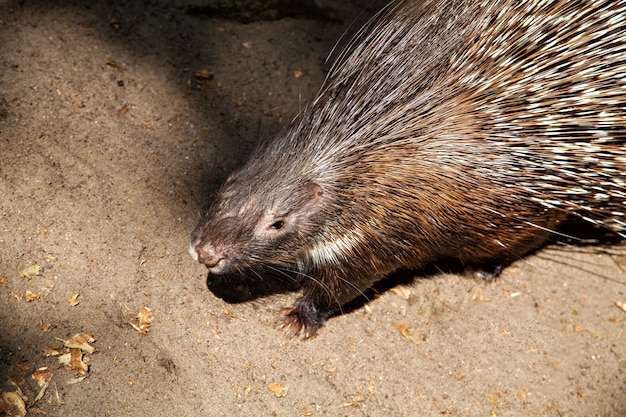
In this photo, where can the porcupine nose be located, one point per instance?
(207, 255)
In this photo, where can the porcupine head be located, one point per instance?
(263, 221)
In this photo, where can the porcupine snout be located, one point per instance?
(208, 255)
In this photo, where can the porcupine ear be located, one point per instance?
(308, 193)
(314, 190)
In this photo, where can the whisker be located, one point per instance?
(567, 262)
(317, 281)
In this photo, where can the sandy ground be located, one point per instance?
(111, 136)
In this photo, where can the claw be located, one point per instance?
(489, 273)
(302, 319)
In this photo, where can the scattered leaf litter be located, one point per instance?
(75, 361)
(12, 404)
(47, 352)
(356, 401)
(74, 300)
(73, 355)
(277, 389)
(42, 376)
(80, 341)
(76, 380)
(28, 296)
(404, 331)
(24, 367)
(31, 296)
(402, 291)
(203, 74)
(142, 321)
(31, 271)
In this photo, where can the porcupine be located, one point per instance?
(450, 129)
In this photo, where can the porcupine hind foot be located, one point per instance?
(303, 318)
(488, 272)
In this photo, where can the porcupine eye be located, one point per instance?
(277, 225)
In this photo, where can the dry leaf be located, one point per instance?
(51, 352)
(76, 380)
(31, 296)
(75, 361)
(278, 390)
(74, 300)
(493, 401)
(143, 320)
(621, 305)
(42, 376)
(65, 358)
(404, 330)
(31, 271)
(23, 366)
(80, 341)
(113, 64)
(359, 397)
(203, 75)
(12, 404)
(402, 291)
(45, 326)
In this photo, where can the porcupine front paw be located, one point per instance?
(303, 318)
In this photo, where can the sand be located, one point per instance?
(116, 123)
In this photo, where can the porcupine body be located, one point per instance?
(463, 130)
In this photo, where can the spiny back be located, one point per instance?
(540, 82)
